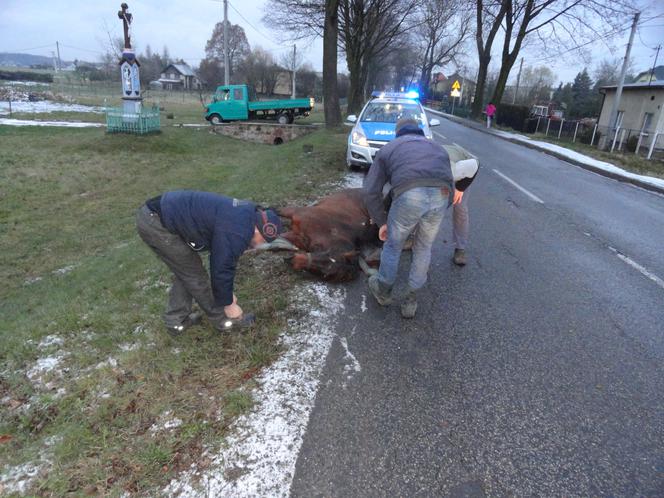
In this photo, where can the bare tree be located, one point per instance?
(238, 46)
(442, 30)
(488, 18)
(562, 22)
(367, 30)
(260, 71)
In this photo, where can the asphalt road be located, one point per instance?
(535, 370)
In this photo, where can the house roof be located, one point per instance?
(183, 69)
(637, 86)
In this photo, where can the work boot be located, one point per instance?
(460, 257)
(246, 321)
(409, 304)
(382, 292)
(191, 320)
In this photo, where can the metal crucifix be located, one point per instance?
(126, 21)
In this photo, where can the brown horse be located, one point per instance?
(331, 236)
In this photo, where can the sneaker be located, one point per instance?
(382, 292)
(191, 320)
(246, 321)
(460, 257)
(409, 304)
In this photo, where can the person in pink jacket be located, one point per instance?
(490, 111)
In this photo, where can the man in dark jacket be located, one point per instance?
(419, 172)
(176, 225)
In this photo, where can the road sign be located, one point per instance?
(455, 93)
(456, 86)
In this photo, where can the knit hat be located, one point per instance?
(268, 224)
(407, 126)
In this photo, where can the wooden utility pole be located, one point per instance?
(613, 117)
(57, 47)
(226, 68)
(294, 56)
(652, 71)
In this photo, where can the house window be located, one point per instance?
(619, 119)
(647, 121)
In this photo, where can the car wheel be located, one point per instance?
(215, 119)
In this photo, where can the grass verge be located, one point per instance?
(94, 395)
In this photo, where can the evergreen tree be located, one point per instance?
(583, 102)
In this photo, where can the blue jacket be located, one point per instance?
(207, 221)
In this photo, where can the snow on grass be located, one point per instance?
(261, 450)
(46, 106)
(65, 124)
(582, 158)
(353, 179)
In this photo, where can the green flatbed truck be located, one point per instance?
(238, 103)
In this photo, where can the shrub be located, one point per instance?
(514, 116)
(631, 143)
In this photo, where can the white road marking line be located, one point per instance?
(440, 135)
(639, 268)
(508, 179)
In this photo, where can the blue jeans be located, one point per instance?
(421, 210)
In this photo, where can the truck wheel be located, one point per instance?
(215, 119)
(283, 118)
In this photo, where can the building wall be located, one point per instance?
(635, 103)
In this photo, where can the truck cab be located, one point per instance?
(231, 103)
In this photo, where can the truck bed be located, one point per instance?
(268, 105)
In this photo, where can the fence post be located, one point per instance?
(593, 137)
(560, 130)
(638, 143)
(547, 128)
(575, 130)
(615, 137)
(622, 137)
(652, 145)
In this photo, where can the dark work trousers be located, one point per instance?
(190, 278)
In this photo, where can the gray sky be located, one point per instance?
(33, 26)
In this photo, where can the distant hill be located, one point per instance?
(25, 60)
(644, 77)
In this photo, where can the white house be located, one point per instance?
(179, 77)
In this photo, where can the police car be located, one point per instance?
(377, 122)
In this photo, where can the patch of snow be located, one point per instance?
(265, 443)
(31, 280)
(582, 158)
(166, 422)
(42, 367)
(26, 83)
(108, 362)
(50, 340)
(352, 366)
(18, 479)
(64, 270)
(363, 305)
(128, 346)
(64, 124)
(353, 179)
(46, 106)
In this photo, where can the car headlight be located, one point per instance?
(360, 139)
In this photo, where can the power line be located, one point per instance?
(607, 35)
(35, 48)
(254, 27)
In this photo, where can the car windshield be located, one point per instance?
(390, 112)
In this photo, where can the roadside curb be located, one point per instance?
(581, 164)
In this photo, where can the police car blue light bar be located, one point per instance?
(396, 95)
